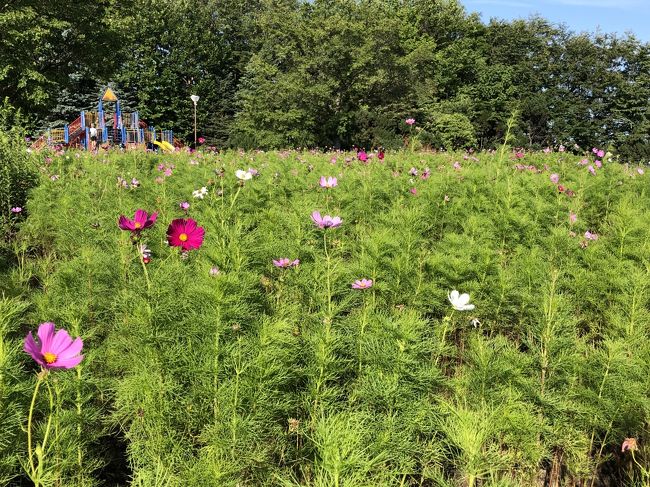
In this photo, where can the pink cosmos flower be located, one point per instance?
(584, 162)
(592, 170)
(362, 284)
(572, 217)
(426, 173)
(168, 172)
(600, 153)
(53, 350)
(629, 444)
(555, 178)
(640, 171)
(333, 160)
(413, 171)
(184, 205)
(598, 163)
(520, 154)
(214, 271)
(561, 148)
(141, 220)
(591, 236)
(547, 150)
(285, 263)
(16, 209)
(457, 166)
(362, 156)
(410, 121)
(325, 221)
(329, 182)
(201, 140)
(185, 234)
(413, 190)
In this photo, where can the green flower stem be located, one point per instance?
(30, 453)
(34, 474)
(364, 320)
(144, 268)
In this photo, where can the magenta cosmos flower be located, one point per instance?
(185, 234)
(362, 284)
(53, 350)
(141, 220)
(328, 182)
(285, 263)
(326, 221)
(363, 157)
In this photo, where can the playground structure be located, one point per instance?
(116, 129)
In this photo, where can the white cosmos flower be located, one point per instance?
(459, 301)
(200, 193)
(243, 175)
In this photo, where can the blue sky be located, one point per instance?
(579, 15)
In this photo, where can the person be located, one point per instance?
(93, 137)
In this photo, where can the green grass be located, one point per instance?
(261, 376)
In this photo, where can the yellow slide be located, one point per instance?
(164, 145)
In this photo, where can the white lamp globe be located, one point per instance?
(195, 98)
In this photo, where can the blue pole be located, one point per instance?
(87, 139)
(66, 133)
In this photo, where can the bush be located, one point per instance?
(18, 175)
(452, 131)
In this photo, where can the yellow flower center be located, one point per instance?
(49, 357)
(182, 237)
(137, 225)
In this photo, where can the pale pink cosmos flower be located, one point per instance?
(561, 148)
(629, 444)
(547, 150)
(592, 170)
(326, 221)
(640, 171)
(214, 271)
(285, 263)
(184, 205)
(410, 121)
(426, 173)
(413, 171)
(362, 284)
(591, 236)
(584, 162)
(328, 182)
(16, 209)
(598, 163)
(457, 166)
(572, 217)
(555, 178)
(600, 153)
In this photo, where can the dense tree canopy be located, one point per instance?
(278, 73)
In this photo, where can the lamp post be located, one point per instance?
(195, 99)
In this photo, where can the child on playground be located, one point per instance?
(93, 138)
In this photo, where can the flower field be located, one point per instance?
(328, 319)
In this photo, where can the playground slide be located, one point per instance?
(164, 145)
